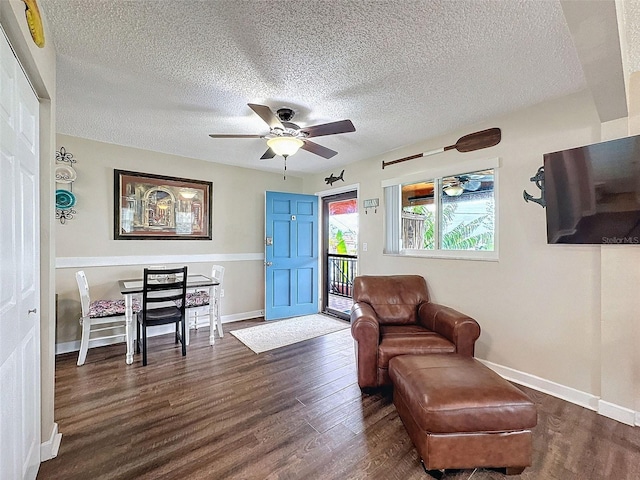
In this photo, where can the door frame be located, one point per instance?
(37, 67)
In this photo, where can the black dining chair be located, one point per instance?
(163, 302)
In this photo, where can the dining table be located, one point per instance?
(132, 288)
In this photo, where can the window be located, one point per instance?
(452, 215)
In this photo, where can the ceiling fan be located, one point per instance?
(285, 138)
(457, 185)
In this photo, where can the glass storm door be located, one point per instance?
(340, 234)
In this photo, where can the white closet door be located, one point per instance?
(19, 273)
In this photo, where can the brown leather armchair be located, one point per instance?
(392, 315)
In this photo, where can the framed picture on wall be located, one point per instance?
(149, 206)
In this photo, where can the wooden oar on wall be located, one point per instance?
(468, 143)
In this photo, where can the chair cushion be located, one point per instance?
(197, 299)
(161, 316)
(410, 339)
(110, 308)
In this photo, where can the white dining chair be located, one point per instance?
(99, 316)
(198, 302)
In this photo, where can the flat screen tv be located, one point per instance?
(593, 193)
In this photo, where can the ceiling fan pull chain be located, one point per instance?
(284, 175)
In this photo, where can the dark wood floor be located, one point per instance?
(293, 413)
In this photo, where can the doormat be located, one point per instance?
(279, 333)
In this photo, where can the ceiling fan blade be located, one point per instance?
(318, 149)
(232, 135)
(342, 126)
(267, 115)
(268, 154)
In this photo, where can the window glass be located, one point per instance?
(418, 216)
(343, 227)
(468, 212)
(452, 213)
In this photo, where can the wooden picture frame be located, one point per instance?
(155, 207)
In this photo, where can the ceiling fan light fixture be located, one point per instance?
(284, 146)
(453, 190)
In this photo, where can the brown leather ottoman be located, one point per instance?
(460, 414)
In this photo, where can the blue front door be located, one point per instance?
(291, 255)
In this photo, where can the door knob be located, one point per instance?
(268, 264)
(35, 310)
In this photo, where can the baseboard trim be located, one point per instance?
(616, 412)
(204, 322)
(74, 346)
(49, 449)
(577, 397)
(569, 394)
(113, 261)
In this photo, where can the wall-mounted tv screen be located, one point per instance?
(593, 193)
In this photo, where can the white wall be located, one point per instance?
(539, 306)
(88, 240)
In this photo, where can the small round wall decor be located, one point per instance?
(65, 199)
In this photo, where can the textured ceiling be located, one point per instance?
(631, 21)
(162, 75)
